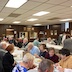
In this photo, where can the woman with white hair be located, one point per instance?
(26, 64)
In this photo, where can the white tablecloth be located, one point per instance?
(18, 54)
(54, 46)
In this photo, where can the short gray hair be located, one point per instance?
(28, 57)
(3, 43)
(44, 65)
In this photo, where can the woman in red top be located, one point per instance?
(52, 56)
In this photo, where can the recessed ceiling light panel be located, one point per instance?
(66, 19)
(16, 22)
(37, 24)
(41, 13)
(1, 19)
(32, 19)
(15, 3)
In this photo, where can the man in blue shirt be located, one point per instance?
(34, 50)
(26, 64)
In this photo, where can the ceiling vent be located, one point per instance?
(14, 15)
(55, 18)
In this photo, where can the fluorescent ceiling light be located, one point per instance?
(15, 3)
(37, 24)
(41, 13)
(16, 22)
(66, 19)
(1, 19)
(32, 19)
(70, 6)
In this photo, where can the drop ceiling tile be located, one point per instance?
(20, 11)
(1, 8)
(30, 5)
(4, 15)
(66, 16)
(18, 18)
(68, 3)
(11, 20)
(63, 16)
(65, 10)
(7, 19)
(55, 8)
(29, 13)
(39, 0)
(43, 6)
(3, 2)
(8, 10)
(56, 1)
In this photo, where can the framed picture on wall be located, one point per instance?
(33, 35)
(41, 32)
(29, 29)
(55, 32)
(23, 34)
(51, 32)
(25, 28)
(32, 28)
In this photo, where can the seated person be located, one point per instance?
(26, 64)
(2, 53)
(12, 40)
(46, 66)
(50, 41)
(66, 59)
(19, 44)
(34, 50)
(67, 44)
(52, 56)
(25, 42)
(36, 42)
(43, 50)
(8, 60)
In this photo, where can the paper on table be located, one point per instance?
(33, 70)
(67, 70)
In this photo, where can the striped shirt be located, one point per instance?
(19, 68)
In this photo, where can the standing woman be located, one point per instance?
(8, 60)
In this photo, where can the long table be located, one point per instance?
(54, 46)
(36, 60)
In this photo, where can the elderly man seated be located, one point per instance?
(25, 42)
(26, 64)
(34, 50)
(46, 66)
(50, 41)
(2, 53)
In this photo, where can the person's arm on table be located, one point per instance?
(64, 70)
(37, 56)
